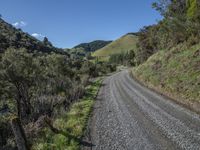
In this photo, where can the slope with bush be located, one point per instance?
(175, 72)
(16, 38)
(174, 43)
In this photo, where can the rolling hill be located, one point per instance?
(123, 44)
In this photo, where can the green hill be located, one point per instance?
(175, 73)
(93, 46)
(83, 49)
(123, 44)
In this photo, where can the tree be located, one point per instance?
(19, 134)
(193, 11)
(131, 58)
(17, 74)
(170, 8)
(46, 42)
(162, 6)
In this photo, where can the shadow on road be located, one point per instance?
(87, 144)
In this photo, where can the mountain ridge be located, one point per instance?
(93, 46)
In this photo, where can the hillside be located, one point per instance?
(175, 73)
(83, 49)
(12, 37)
(123, 44)
(93, 46)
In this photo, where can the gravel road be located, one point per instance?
(128, 116)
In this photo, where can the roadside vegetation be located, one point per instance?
(175, 73)
(70, 125)
(37, 86)
(174, 68)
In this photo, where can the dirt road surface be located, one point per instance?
(128, 116)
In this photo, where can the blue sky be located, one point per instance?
(69, 22)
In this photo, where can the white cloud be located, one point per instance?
(19, 24)
(37, 35)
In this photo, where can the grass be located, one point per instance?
(123, 44)
(72, 123)
(175, 72)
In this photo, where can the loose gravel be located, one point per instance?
(128, 116)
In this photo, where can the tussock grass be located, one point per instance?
(72, 123)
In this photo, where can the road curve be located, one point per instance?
(128, 116)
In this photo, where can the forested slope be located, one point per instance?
(93, 46)
(85, 49)
(16, 38)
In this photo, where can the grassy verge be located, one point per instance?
(175, 73)
(72, 123)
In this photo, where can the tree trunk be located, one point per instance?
(19, 111)
(19, 134)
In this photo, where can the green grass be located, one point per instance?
(72, 123)
(176, 72)
(123, 44)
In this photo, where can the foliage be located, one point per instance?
(176, 71)
(12, 37)
(71, 123)
(170, 8)
(93, 46)
(168, 52)
(84, 50)
(127, 58)
(38, 84)
(46, 42)
(180, 24)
